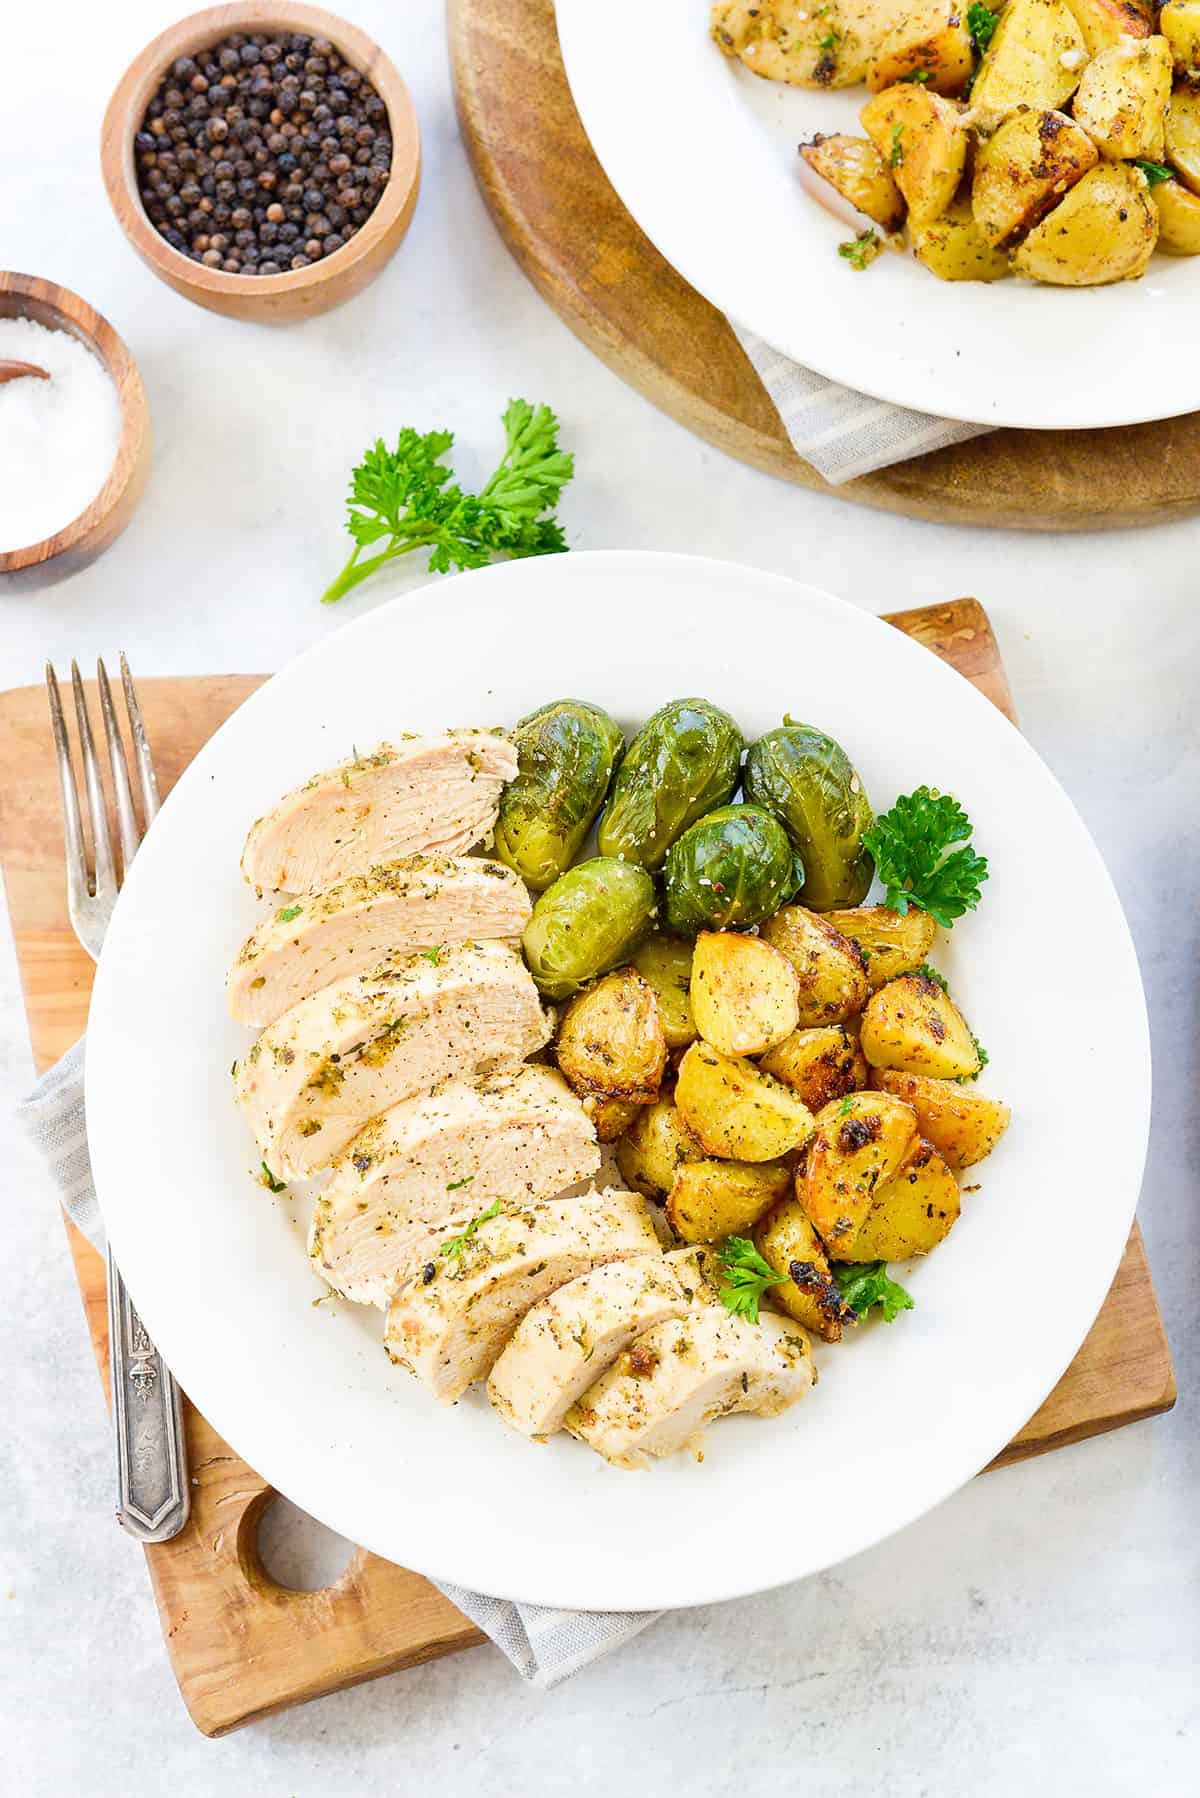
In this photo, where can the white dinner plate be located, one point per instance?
(903, 1414)
(703, 154)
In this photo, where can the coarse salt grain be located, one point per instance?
(58, 438)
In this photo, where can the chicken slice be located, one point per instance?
(660, 1394)
(424, 902)
(511, 1138)
(564, 1344)
(422, 796)
(354, 1049)
(447, 1329)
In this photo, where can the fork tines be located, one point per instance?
(92, 894)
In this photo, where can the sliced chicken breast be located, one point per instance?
(511, 1138)
(354, 1049)
(448, 1329)
(422, 903)
(661, 1393)
(564, 1344)
(422, 796)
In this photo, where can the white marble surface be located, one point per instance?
(1046, 1622)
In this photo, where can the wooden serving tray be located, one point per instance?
(242, 1646)
(583, 252)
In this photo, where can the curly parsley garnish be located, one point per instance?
(1153, 171)
(912, 846)
(743, 1276)
(860, 252)
(981, 23)
(865, 1283)
(403, 499)
(454, 1248)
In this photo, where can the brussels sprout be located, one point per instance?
(586, 923)
(685, 760)
(808, 782)
(734, 868)
(566, 753)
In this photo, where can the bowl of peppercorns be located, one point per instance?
(263, 160)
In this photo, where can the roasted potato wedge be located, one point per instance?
(1035, 59)
(1179, 22)
(733, 1110)
(786, 40)
(854, 167)
(745, 994)
(888, 943)
(654, 1148)
(611, 1117)
(712, 1199)
(914, 1025)
(1178, 218)
(1183, 135)
(913, 1211)
(786, 1239)
(1122, 99)
(962, 1126)
(932, 40)
(1104, 230)
(1024, 170)
(610, 1039)
(833, 980)
(954, 248)
(818, 1065)
(1105, 23)
(666, 962)
(922, 139)
(858, 1144)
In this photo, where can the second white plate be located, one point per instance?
(703, 154)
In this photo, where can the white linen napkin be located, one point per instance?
(544, 1645)
(839, 432)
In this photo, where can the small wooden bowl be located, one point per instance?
(24, 296)
(299, 293)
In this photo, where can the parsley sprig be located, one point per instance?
(865, 1283)
(860, 252)
(453, 1249)
(1153, 171)
(981, 23)
(915, 859)
(404, 499)
(743, 1276)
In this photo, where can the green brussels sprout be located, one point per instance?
(808, 782)
(732, 869)
(685, 760)
(589, 921)
(566, 754)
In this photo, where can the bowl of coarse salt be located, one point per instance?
(74, 449)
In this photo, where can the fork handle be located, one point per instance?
(153, 1490)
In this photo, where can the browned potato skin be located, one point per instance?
(913, 1211)
(1183, 134)
(1179, 22)
(786, 40)
(785, 1239)
(745, 994)
(963, 1126)
(1023, 64)
(1104, 23)
(1024, 170)
(854, 167)
(713, 1199)
(933, 40)
(654, 1148)
(833, 980)
(912, 1024)
(611, 1117)
(1178, 218)
(932, 145)
(858, 1145)
(736, 1112)
(819, 1065)
(1104, 230)
(610, 1039)
(1122, 99)
(888, 943)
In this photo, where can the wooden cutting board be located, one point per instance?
(572, 236)
(242, 1646)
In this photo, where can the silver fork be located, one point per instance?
(153, 1490)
